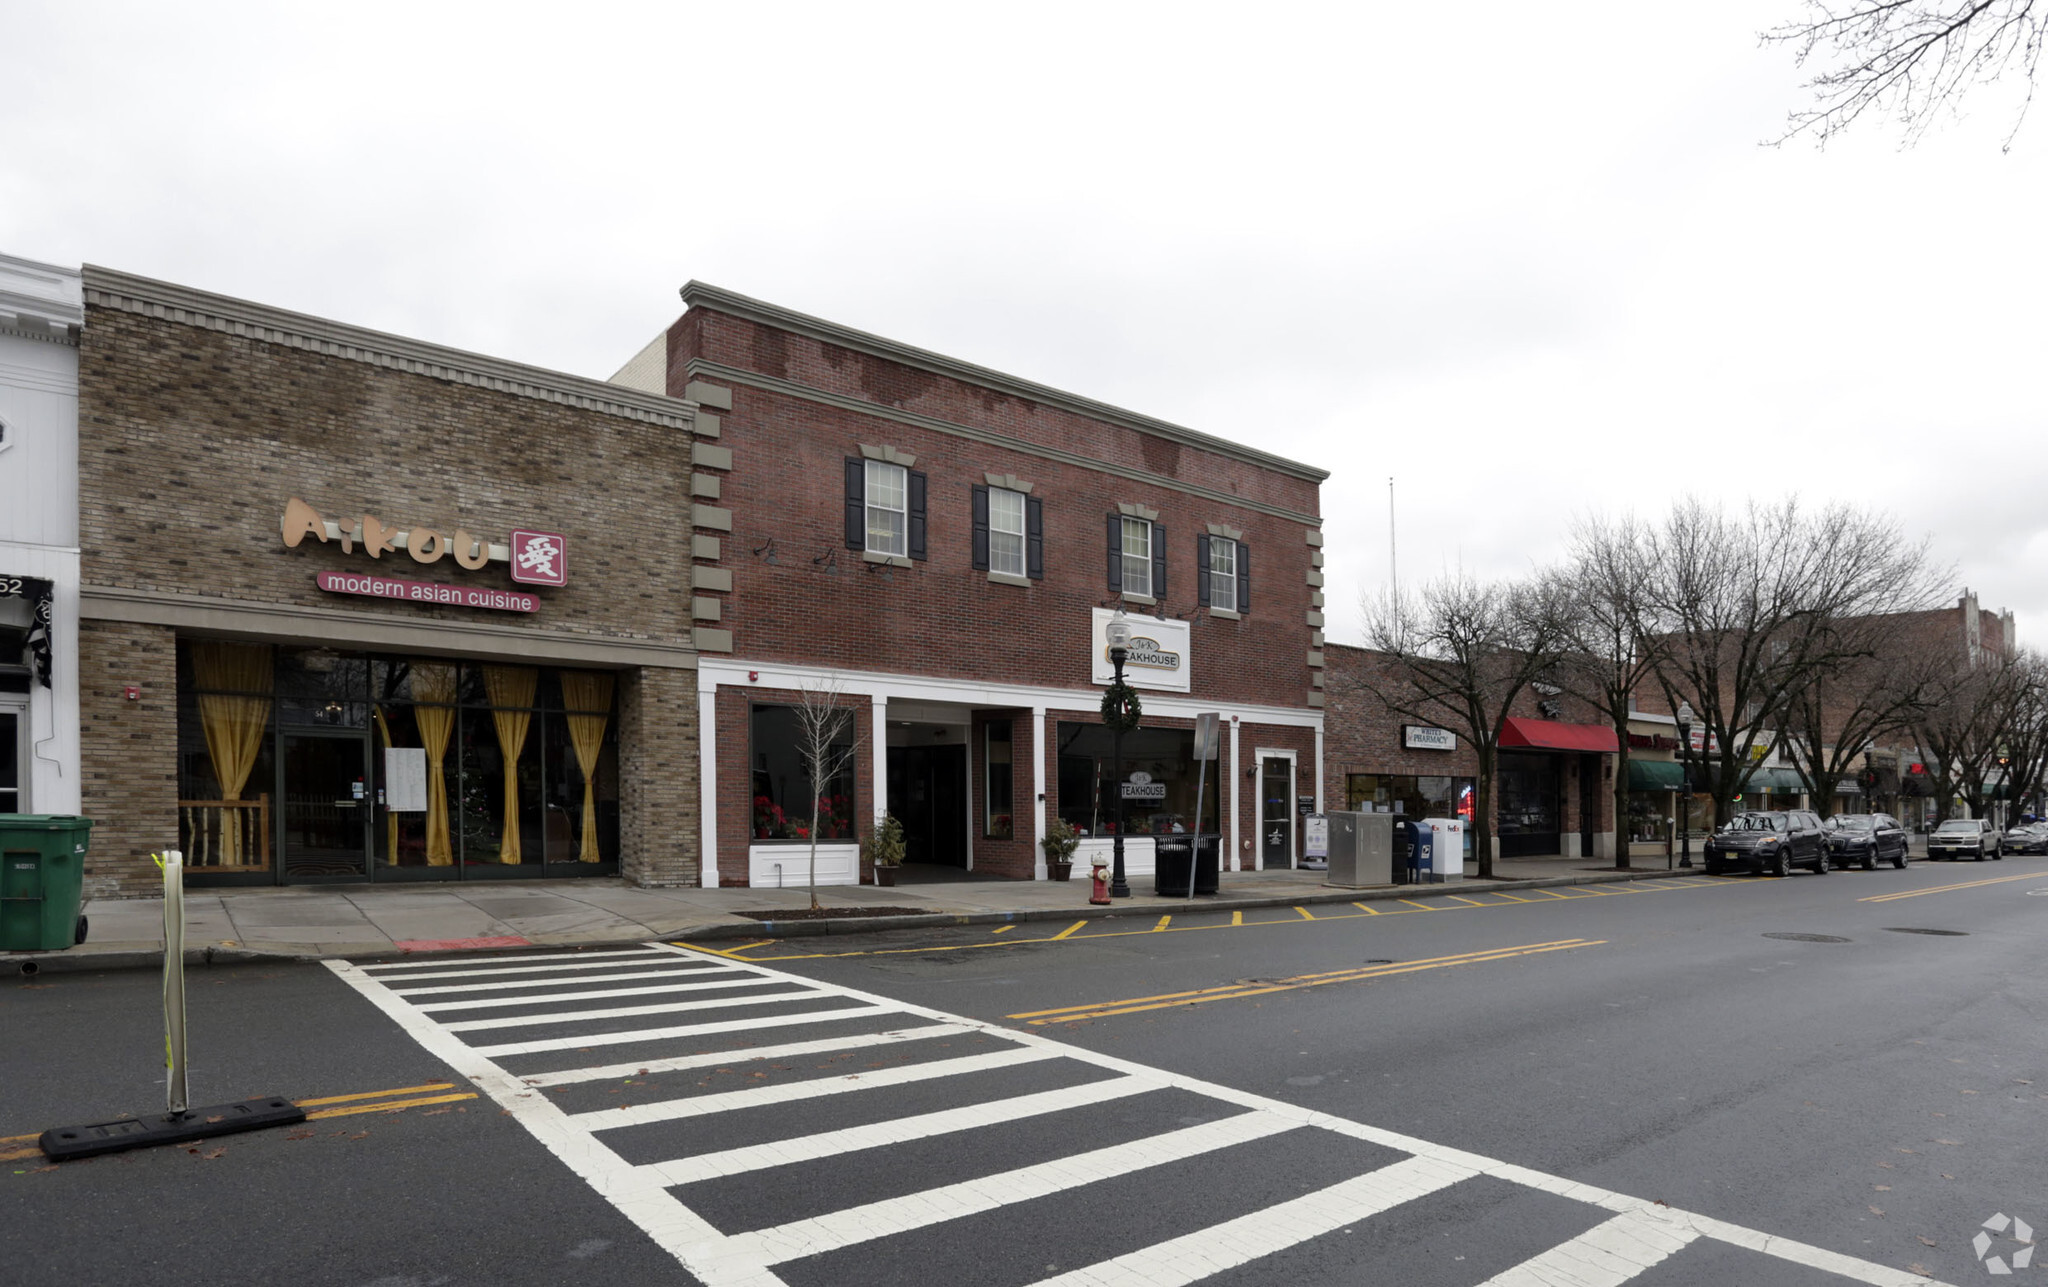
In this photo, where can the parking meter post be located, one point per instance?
(176, 1100)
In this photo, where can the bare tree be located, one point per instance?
(1913, 59)
(2025, 746)
(1611, 643)
(826, 740)
(1459, 653)
(1749, 606)
(1960, 730)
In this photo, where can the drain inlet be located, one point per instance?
(1808, 938)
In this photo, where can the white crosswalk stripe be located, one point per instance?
(1630, 1236)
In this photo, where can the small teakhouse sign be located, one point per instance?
(1425, 737)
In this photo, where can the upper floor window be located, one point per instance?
(1005, 531)
(888, 508)
(885, 509)
(1137, 556)
(1225, 566)
(1009, 532)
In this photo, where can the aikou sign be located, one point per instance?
(536, 558)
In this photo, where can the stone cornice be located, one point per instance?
(733, 375)
(39, 301)
(702, 295)
(110, 288)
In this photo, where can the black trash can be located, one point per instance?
(1173, 856)
(1208, 865)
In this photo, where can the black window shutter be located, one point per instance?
(1202, 571)
(916, 514)
(1116, 554)
(1159, 563)
(856, 504)
(1034, 538)
(980, 528)
(1244, 577)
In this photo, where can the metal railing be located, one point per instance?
(225, 835)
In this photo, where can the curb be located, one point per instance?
(37, 963)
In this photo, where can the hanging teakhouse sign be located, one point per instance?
(534, 558)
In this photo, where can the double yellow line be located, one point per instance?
(353, 1106)
(1943, 889)
(1237, 991)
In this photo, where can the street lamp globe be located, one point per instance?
(1118, 633)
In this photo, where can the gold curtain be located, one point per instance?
(587, 691)
(433, 689)
(390, 818)
(233, 725)
(510, 686)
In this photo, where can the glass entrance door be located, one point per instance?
(13, 759)
(1276, 813)
(327, 807)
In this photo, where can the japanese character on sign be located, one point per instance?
(540, 558)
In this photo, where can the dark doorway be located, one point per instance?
(928, 795)
(1531, 812)
(1591, 788)
(1276, 813)
(327, 807)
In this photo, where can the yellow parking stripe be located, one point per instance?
(1107, 1009)
(1304, 913)
(1367, 908)
(1164, 921)
(1068, 930)
(1943, 889)
(1003, 929)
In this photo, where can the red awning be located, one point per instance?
(1549, 735)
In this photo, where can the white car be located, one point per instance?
(1966, 838)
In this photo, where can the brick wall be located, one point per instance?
(128, 753)
(800, 595)
(659, 808)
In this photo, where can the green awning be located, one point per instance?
(1778, 781)
(1655, 775)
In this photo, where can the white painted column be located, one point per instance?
(1236, 786)
(1319, 770)
(879, 742)
(707, 780)
(1038, 793)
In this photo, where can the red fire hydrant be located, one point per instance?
(1099, 894)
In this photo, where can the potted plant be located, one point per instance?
(1059, 844)
(884, 849)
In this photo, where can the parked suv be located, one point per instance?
(1866, 839)
(1966, 837)
(1769, 842)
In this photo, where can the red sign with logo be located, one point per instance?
(540, 558)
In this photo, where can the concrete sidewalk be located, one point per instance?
(380, 920)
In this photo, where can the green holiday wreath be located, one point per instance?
(1120, 708)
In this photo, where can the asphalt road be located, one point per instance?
(1604, 1084)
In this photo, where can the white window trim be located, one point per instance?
(1144, 595)
(870, 507)
(1023, 532)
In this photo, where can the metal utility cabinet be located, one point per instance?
(1361, 850)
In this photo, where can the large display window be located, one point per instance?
(783, 793)
(1163, 804)
(309, 765)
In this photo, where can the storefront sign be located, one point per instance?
(1159, 653)
(537, 558)
(41, 597)
(1422, 737)
(1144, 791)
(461, 596)
(1315, 831)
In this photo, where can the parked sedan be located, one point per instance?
(2029, 838)
(1769, 842)
(1961, 838)
(1866, 839)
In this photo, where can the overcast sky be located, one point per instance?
(1530, 260)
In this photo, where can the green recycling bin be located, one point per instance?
(42, 881)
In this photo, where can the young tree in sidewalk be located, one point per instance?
(1746, 604)
(1610, 642)
(827, 737)
(1459, 653)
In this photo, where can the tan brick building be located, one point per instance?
(945, 544)
(356, 607)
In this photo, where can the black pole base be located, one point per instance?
(69, 1143)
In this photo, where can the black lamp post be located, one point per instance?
(1685, 784)
(1118, 635)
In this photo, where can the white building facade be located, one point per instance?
(41, 310)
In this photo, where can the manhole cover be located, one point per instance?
(1380, 960)
(1809, 938)
(1900, 929)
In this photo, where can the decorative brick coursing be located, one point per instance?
(128, 753)
(658, 803)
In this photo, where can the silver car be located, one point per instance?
(1973, 838)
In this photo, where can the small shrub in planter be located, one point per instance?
(884, 849)
(1059, 844)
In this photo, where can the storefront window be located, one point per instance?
(783, 792)
(996, 759)
(1163, 805)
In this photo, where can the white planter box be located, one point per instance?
(1138, 855)
(789, 866)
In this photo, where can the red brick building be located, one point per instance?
(942, 545)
